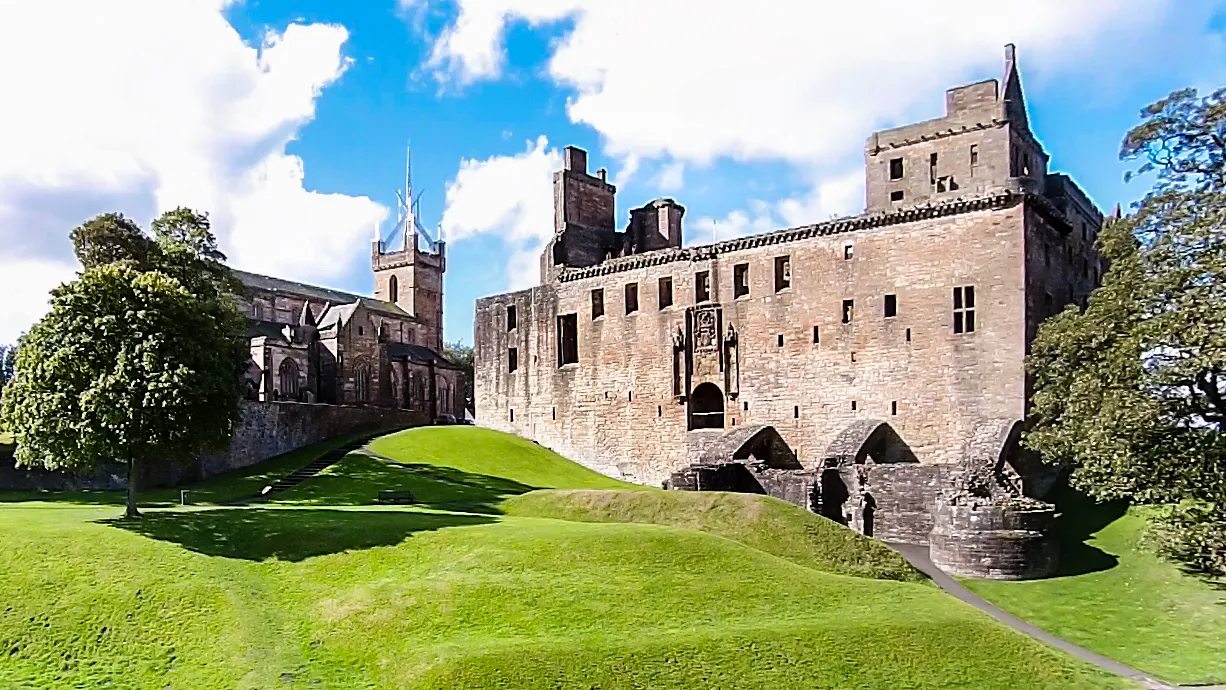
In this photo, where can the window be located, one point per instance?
(964, 309)
(849, 250)
(893, 407)
(568, 339)
(393, 290)
(816, 337)
(512, 320)
(554, 412)
(891, 306)
(783, 273)
(779, 340)
(512, 359)
(361, 331)
(632, 298)
(702, 286)
(853, 405)
(512, 414)
(288, 376)
(796, 412)
(895, 168)
(740, 280)
(597, 303)
(974, 158)
(896, 196)
(908, 335)
(849, 307)
(932, 169)
(666, 292)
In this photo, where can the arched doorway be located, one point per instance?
(707, 407)
(287, 377)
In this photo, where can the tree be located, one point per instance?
(1132, 391)
(8, 357)
(140, 359)
(462, 356)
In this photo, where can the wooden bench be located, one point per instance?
(396, 497)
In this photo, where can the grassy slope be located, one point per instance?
(764, 523)
(282, 597)
(1119, 599)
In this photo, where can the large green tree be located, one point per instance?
(140, 359)
(1132, 391)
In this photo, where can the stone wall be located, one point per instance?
(267, 429)
(999, 541)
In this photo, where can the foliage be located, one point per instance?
(140, 359)
(1132, 391)
(462, 356)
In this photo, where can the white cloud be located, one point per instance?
(25, 284)
(142, 105)
(778, 79)
(671, 177)
(840, 195)
(509, 196)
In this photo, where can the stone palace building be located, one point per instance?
(869, 368)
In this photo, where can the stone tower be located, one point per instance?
(412, 279)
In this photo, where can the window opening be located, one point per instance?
(780, 340)
(848, 251)
(796, 412)
(896, 195)
(740, 280)
(512, 414)
(632, 298)
(932, 169)
(568, 339)
(597, 303)
(816, 336)
(666, 292)
(964, 309)
(783, 273)
(853, 405)
(896, 169)
(512, 320)
(893, 407)
(848, 310)
(702, 286)
(707, 407)
(512, 359)
(908, 335)
(891, 306)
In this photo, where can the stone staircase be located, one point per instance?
(322, 463)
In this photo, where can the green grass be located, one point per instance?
(337, 597)
(764, 523)
(1116, 597)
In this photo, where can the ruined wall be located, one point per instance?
(615, 409)
(265, 430)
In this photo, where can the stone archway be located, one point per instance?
(758, 444)
(868, 439)
(707, 407)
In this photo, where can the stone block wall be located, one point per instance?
(995, 541)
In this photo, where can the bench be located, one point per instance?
(396, 497)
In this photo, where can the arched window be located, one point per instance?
(393, 289)
(361, 383)
(287, 376)
(707, 407)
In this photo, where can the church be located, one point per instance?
(314, 344)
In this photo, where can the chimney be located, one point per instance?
(602, 174)
(576, 159)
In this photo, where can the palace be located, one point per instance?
(869, 368)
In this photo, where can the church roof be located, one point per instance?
(271, 330)
(315, 293)
(418, 353)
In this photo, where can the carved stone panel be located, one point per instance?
(706, 329)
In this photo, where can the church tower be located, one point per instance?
(410, 277)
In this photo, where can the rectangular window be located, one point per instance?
(893, 407)
(849, 250)
(849, 307)
(597, 303)
(964, 309)
(740, 280)
(779, 340)
(932, 169)
(666, 292)
(816, 336)
(568, 339)
(783, 273)
(511, 317)
(632, 298)
(512, 359)
(896, 196)
(895, 168)
(891, 306)
(974, 157)
(702, 286)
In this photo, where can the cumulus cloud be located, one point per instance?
(143, 105)
(507, 196)
(835, 196)
(671, 177)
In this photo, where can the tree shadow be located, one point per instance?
(1080, 518)
(358, 479)
(257, 534)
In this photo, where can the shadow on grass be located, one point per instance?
(358, 479)
(256, 534)
(1080, 518)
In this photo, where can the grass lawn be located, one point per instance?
(604, 589)
(1119, 599)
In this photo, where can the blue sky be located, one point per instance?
(287, 121)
